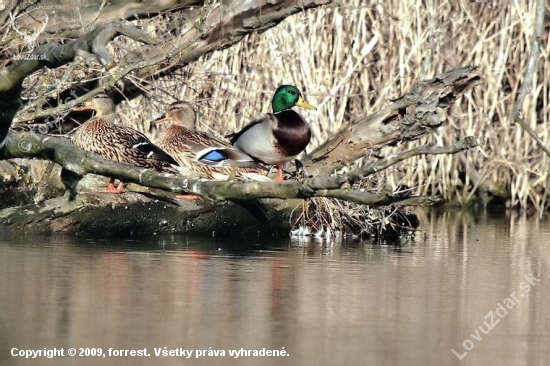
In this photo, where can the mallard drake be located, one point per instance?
(101, 136)
(278, 137)
(199, 154)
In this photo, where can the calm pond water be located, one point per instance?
(322, 303)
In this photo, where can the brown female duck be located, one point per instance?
(101, 136)
(200, 154)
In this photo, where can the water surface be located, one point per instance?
(324, 303)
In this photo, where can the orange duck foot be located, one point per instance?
(111, 187)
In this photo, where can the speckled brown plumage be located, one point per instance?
(174, 142)
(187, 147)
(101, 136)
(121, 143)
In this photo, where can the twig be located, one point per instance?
(528, 76)
(464, 144)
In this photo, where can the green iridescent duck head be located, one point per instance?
(288, 96)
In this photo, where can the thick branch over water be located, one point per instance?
(61, 151)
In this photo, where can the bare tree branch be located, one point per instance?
(71, 21)
(217, 25)
(61, 151)
(418, 112)
(52, 56)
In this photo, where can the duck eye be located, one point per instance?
(292, 92)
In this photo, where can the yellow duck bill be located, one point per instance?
(304, 104)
